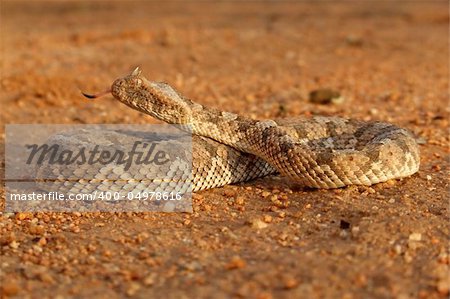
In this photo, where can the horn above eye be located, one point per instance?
(136, 72)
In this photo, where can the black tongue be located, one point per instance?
(89, 96)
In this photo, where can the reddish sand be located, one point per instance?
(264, 239)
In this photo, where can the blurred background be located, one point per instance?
(258, 58)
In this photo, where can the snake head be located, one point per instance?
(157, 99)
(127, 88)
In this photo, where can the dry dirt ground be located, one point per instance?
(264, 239)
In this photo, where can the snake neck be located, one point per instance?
(161, 101)
(228, 128)
(168, 105)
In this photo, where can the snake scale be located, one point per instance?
(317, 152)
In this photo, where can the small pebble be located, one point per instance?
(354, 41)
(42, 241)
(75, 229)
(8, 215)
(265, 194)
(281, 214)
(290, 283)
(46, 277)
(415, 237)
(283, 237)
(325, 96)
(390, 182)
(133, 289)
(257, 224)
(239, 200)
(36, 229)
(443, 258)
(268, 218)
(355, 231)
(14, 245)
(10, 288)
(407, 257)
(150, 279)
(373, 111)
(421, 140)
(235, 263)
(443, 286)
(23, 216)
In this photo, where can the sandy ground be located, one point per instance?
(264, 239)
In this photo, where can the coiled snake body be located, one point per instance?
(319, 152)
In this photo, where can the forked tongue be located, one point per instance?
(96, 95)
(136, 72)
